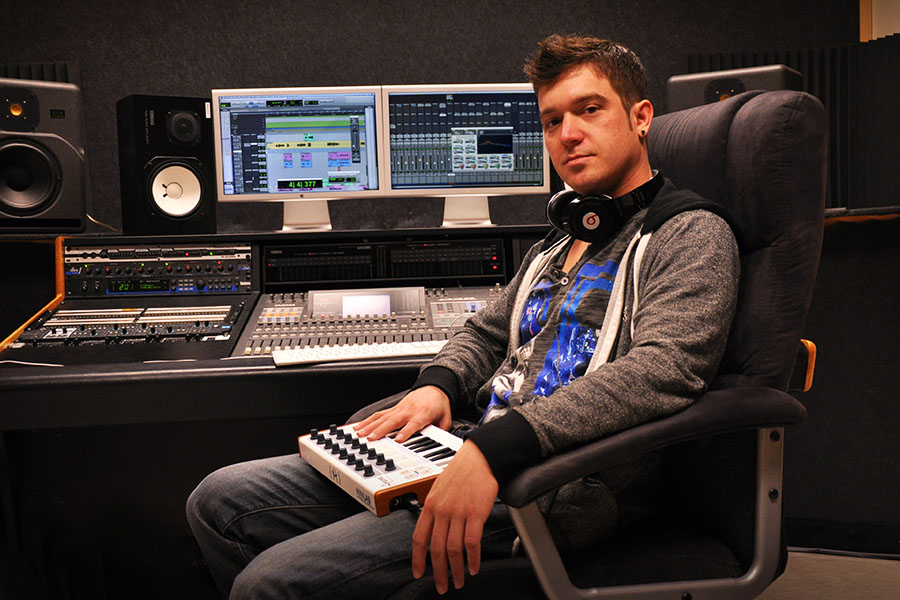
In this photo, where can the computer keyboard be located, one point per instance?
(301, 356)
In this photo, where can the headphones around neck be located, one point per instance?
(596, 218)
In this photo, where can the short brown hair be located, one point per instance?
(558, 53)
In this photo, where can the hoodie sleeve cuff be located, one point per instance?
(441, 378)
(508, 444)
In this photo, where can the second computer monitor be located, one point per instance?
(465, 142)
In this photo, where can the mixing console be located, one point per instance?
(117, 325)
(335, 318)
(134, 299)
(128, 301)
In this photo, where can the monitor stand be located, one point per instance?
(466, 211)
(306, 215)
(459, 211)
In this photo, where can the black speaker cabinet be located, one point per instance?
(696, 89)
(43, 172)
(166, 165)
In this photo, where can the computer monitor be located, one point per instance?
(298, 144)
(464, 142)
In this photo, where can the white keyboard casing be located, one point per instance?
(413, 473)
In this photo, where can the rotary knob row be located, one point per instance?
(351, 450)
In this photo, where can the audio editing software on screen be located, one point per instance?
(445, 140)
(309, 143)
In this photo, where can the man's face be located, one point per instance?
(594, 143)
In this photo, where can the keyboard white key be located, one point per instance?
(302, 356)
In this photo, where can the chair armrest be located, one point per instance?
(717, 411)
(804, 367)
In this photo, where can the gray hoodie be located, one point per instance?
(546, 374)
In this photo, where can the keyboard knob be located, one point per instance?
(372, 453)
(380, 459)
(389, 465)
(368, 472)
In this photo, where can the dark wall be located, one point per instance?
(842, 478)
(182, 48)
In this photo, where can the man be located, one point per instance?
(592, 336)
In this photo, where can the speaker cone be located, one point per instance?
(29, 178)
(176, 189)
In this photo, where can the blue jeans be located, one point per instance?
(275, 528)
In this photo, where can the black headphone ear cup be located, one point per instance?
(583, 218)
(557, 206)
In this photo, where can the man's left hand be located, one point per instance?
(452, 520)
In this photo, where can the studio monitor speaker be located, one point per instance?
(43, 172)
(696, 89)
(166, 165)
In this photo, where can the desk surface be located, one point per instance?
(86, 395)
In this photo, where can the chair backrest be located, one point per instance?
(761, 155)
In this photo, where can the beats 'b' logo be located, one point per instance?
(590, 221)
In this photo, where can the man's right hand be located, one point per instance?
(424, 406)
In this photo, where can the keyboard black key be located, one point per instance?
(439, 454)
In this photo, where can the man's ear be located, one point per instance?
(642, 116)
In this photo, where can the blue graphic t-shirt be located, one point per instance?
(572, 345)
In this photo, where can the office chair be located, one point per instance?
(762, 155)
